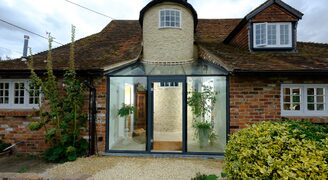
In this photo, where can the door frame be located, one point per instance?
(150, 110)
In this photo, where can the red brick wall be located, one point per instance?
(254, 99)
(13, 129)
(14, 124)
(100, 85)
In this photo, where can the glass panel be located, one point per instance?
(286, 91)
(127, 131)
(296, 91)
(311, 107)
(310, 91)
(287, 99)
(310, 99)
(320, 91)
(284, 34)
(296, 99)
(167, 117)
(206, 128)
(272, 34)
(287, 107)
(197, 68)
(296, 107)
(320, 107)
(320, 99)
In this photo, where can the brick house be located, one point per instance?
(254, 67)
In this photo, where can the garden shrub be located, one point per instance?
(275, 150)
(200, 176)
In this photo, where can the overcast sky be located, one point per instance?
(56, 16)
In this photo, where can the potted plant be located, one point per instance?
(126, 111)
(202, 103)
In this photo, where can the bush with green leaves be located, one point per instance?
(61, 114)
(200, 176)
(278, 150)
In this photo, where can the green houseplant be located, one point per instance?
(125, 111)
(202, 103)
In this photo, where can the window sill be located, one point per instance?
(307, 115)
(178, 28)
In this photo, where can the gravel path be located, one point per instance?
(132, 168)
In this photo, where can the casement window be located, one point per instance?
(304, 100)
(272, 35)
(169, 18)
(18, 94)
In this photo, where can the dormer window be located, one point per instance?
(272, 35)
(170, 18)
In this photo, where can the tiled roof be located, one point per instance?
(310, 57)
(121, 40)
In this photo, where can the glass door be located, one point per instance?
(167, 111)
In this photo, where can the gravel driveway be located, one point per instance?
(132, 168)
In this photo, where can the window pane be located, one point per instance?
(310, 91)
(320, 91)
(129, 132)
(310, 99)
(310, 107)
(272, 35)
(263, 33)
(296, 99)
(287, 107)
(284, 34)
(320, 107)
(297, 107)
(213, 139)
(320, 99)
(296, 91)
(286, 91)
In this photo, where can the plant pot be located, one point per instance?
(203, 137)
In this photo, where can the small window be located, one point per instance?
(304, 100)
(18, 94)
(170, 18)
(272, 35)
(169, 84)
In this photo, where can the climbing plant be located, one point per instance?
(61, 112)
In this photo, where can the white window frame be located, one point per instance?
(304, 112)
(174, 27)
(12, 104)
(278, 42)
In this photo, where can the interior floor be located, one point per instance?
(167, 146)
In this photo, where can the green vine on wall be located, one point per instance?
(61, 114)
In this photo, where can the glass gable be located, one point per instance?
(197, 68)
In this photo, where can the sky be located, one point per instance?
(57, 16)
